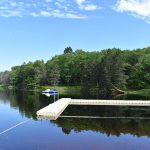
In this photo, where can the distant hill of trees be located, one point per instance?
(125, 69)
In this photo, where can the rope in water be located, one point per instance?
(11, 128)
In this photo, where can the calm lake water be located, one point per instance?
(21, 130)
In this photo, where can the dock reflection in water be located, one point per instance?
(106, 119)
(129, 127)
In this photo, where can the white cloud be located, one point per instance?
(59, 14)
(74, 16)
(47, 8)
(91, 7)
(8, 13)
(87, 5)
(137, 8)
(45, 13)
(13, 4)
(33, 14)
(48, 1)
(60, 6)
(80, 2)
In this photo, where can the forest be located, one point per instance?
(104, 69)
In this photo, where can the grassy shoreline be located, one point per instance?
(65, 89)
(61, 89)
(142, 92)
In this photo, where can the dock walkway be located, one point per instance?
(54, 110)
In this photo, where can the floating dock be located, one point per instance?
(54, 110)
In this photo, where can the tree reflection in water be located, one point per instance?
(29, 102)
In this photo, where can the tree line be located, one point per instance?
(124, 69)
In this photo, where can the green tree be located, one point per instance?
(39, 72)
(5, 77)
(111, 70)
(53, 73)
(68, 50)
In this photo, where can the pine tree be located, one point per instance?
(68, 50)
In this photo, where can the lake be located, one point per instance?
(94, 127)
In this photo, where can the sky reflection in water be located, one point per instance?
(70, 133)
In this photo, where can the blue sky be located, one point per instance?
(40, 29)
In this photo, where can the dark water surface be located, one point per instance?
(128, 128)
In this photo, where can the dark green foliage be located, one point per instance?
(140, 76)
(112, 70)
(68, 50)
(104, 69)
(53, 73)
(5, 77)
